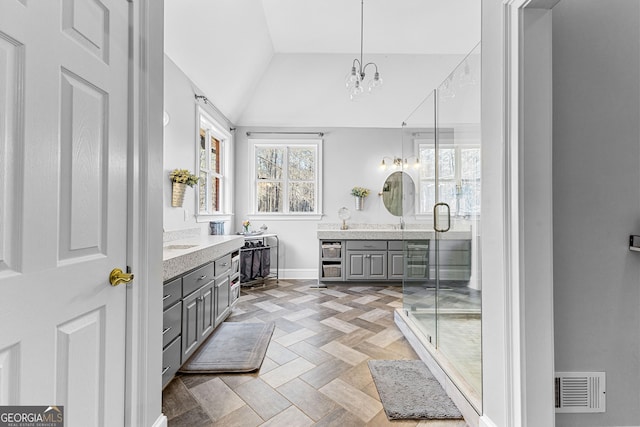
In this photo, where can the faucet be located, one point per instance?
(401, 223)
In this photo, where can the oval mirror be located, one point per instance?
(398, 193)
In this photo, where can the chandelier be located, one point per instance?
(355, 79)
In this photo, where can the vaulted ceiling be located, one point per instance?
(283, 62)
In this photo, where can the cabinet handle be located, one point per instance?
(165, 370)
(202, 277)
(166, 330)
(224, 264)
(199, 299)
(166, 297)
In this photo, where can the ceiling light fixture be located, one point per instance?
(355, 79)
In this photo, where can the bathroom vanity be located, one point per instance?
(201, 285)
(392, 255)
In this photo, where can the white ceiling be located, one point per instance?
(259, 61)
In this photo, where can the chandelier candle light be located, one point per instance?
(355, 79)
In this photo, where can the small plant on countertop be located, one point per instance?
(183, 176)
(360, 191)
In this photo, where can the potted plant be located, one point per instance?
(360, 193)
(180, 179)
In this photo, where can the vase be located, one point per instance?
(177, 194)
(359, 203)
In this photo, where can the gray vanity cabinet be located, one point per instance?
(194, 304)
(222, 299)
(395, 258)
(198, 318)
(171, 329)
(366, 260)
(222, 288)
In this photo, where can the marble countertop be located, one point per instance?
(180, 256)
(382, 232)
(365, 234)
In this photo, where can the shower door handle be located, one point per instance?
(436, 218)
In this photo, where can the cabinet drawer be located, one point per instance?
(170, 361)
(367, 244)
(223, 265)
(396, 245)
(171, 292)
(196, 279)
(454, 245)
(171, 323)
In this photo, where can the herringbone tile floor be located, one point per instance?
(315, 371)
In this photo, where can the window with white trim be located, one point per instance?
(287, 176)
(213, 167)
(458, 178)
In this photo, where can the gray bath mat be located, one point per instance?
(233, 347)
(409, 391)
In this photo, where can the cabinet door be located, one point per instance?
(206, 323)
(377, 263)
(222, 298)
(190, 314)
(364, 265)
(396, 265)
(355, 265)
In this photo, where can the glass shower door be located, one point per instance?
(456, 251)
(419, 282)
(442, 282)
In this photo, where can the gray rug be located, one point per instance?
(233, 347)
(409, 391)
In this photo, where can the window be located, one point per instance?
(213, 148)
(286, 177)
(458, 178)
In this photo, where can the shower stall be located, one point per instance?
(442, 288)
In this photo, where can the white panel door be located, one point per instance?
(63, 212)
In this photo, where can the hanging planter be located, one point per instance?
(180, 179)
(359, 193)
(177, 194)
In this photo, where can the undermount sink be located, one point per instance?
(180, 246)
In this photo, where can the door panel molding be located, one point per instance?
(12, 65)
(87, 22)
(80, 348)
(10, 375)
(84, 147)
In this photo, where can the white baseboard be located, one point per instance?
(486, 422)
(298, 273)
(161, 421)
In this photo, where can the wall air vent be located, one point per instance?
(580, 392)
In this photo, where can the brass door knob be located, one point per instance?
(118, 277)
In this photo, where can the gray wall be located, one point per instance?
(596, 190)
(179, 144)
(351, 157)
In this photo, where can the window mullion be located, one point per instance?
(208, 169)
(285, 181)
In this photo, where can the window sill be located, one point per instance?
(285, 217)
(216, 217)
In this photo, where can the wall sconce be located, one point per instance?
(396, 162)
(415, 163)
